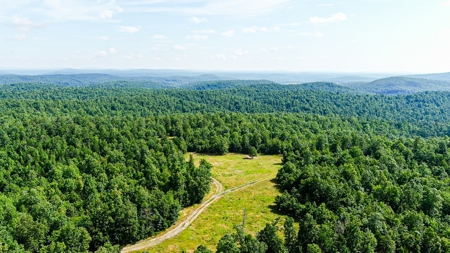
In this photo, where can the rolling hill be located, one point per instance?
(400, 86)
(437, 76)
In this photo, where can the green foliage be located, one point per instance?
(252, 152)
(76, 184)
(313, 248)
(227, 244)
(269, 236)
(403, 85)
(86, 168)
(386, 197)
(202, 249)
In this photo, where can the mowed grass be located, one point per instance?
(235, 169)
(218, 219)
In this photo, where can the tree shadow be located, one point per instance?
(276, 182)
(273, 207)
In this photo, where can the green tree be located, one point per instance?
(313, 248)
(269, 236)
(227, 244)
(202, 249)
(252, 152)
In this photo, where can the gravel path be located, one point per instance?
(172, 232)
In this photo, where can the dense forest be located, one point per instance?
(93, 168)
(351, 193)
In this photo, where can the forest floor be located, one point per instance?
(247, 185)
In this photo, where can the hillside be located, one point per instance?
(95, 78)
(88, 168)
(437, 76)
(68, 80)
(400, 85)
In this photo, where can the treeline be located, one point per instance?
(348, 193)
(427, 112)
(77, 184)
(94, 168)
(356, 193)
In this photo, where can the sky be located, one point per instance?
(411, 36)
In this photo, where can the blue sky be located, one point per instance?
(301, 35)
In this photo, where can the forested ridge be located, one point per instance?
(95, 168)
(426, 112)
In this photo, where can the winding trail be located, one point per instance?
(172, 232)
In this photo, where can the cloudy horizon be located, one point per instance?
(227, 35)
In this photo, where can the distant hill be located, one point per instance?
(397, 85)
(283, 77)
(438, 76)
(300, 77)
(68, 80)
(128, 73)
(225, 84)
(267, 85)
(179, 81)
(400, 86)
(322, 86)
(96, 78)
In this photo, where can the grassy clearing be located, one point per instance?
(234, 169)
(231, 170)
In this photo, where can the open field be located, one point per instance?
(218, 219)
(234, 169)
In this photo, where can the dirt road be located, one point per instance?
(172, 232)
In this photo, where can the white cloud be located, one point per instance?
(277, 29)
(250, 29)
(66, 10)
(101, 54)
(129, 29)
(106, 14)
(63, 10)
(210, 31)
(333, 19)
(447, 3)
(179, 48)
(133, 56)
(208, 7)
(324, 5)
(263, 49)
(197, 37)
(24, 24)
(316, 34)
(240, 52)
(235, 7)
(229, 33)
(274, 49)
(197, 20)
(159, 37)
(112, 50)
(219, 57)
